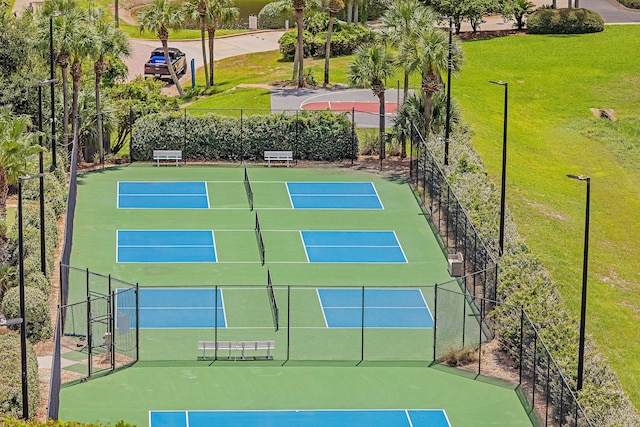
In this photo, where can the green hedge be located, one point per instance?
(311, 135)
(12, 422)
(36, 311)
(11, 378)
(270, 17)
(344, 40)
(564, 21)
(631, 4)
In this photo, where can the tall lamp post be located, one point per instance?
(585, 263)
(504, 164)
(43, 264)
(52, 80)
(449, 67)
(23, 328)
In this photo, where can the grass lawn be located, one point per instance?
(553, 81)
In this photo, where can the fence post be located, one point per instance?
(521, 343)
(354, 147)
(137, 322)
(362, 329)
(241, 135)
(435, 320)
(481, 319)
(184, 143)
(130, 134)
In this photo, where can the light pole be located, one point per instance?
(449, 67)
(585, 263)
(52, 80)
(504, 163)
(23, 328)
(43, 265)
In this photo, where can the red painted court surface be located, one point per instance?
(345, 106)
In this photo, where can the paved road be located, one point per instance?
(224, 47)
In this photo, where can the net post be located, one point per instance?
(435, 320)
(137, 322)
(362, 329)
(288, 322)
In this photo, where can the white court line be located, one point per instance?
(304, 245)
(213, 241)
(289, 194)
(406, 411)
(400, 246)
(322, 308)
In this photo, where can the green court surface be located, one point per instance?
(314, 366)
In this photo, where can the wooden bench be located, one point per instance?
(278, 156)
(167, 155)
(242, 346)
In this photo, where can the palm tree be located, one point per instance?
(334, 7)
(298, 6)
(17, 144)
(219, 12)
(371, 66)
(158, 17)
(399, 21)
(64, 33)
(111, 42)
(197, 9)
(428, 54)
(80, 47)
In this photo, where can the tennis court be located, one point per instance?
(175, 308)
(351, 263)
(300, 418)
(375, 308)
(162, 195)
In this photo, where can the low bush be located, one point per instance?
(564, 21)
(271, 16)
(11, 377)
(36, 311)
(311, 135)
(344, 40)
(460, 357)
(631, 4)
(12, 422)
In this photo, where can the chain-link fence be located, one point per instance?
(94, 334)
(462, 337)
(458, 236)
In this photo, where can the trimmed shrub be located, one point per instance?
(270, 17)
(36, 311)
(37, 280)
(344, 40)
(312, 135)
(631, 4)
(11, 377)
(564, 21)
(54, 192)
(288, 43)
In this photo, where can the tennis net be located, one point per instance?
(259, 239)
(247, 187)
(274, 303)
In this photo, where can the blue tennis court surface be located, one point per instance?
(352, 246)
(175, 308)
(333, 195)
(302, 418)
(162, 195)
(384, 308)
(165, 246)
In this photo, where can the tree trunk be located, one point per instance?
(76, 75)
(116, 14)
(327, 49)
(295, 64)
(405, 91)
(349, 11)
(299, 23)
(172, 71)
(4, 193)
(64, 71)
(212, 36)
(355, 13)
(99, 70)
(204, 52)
